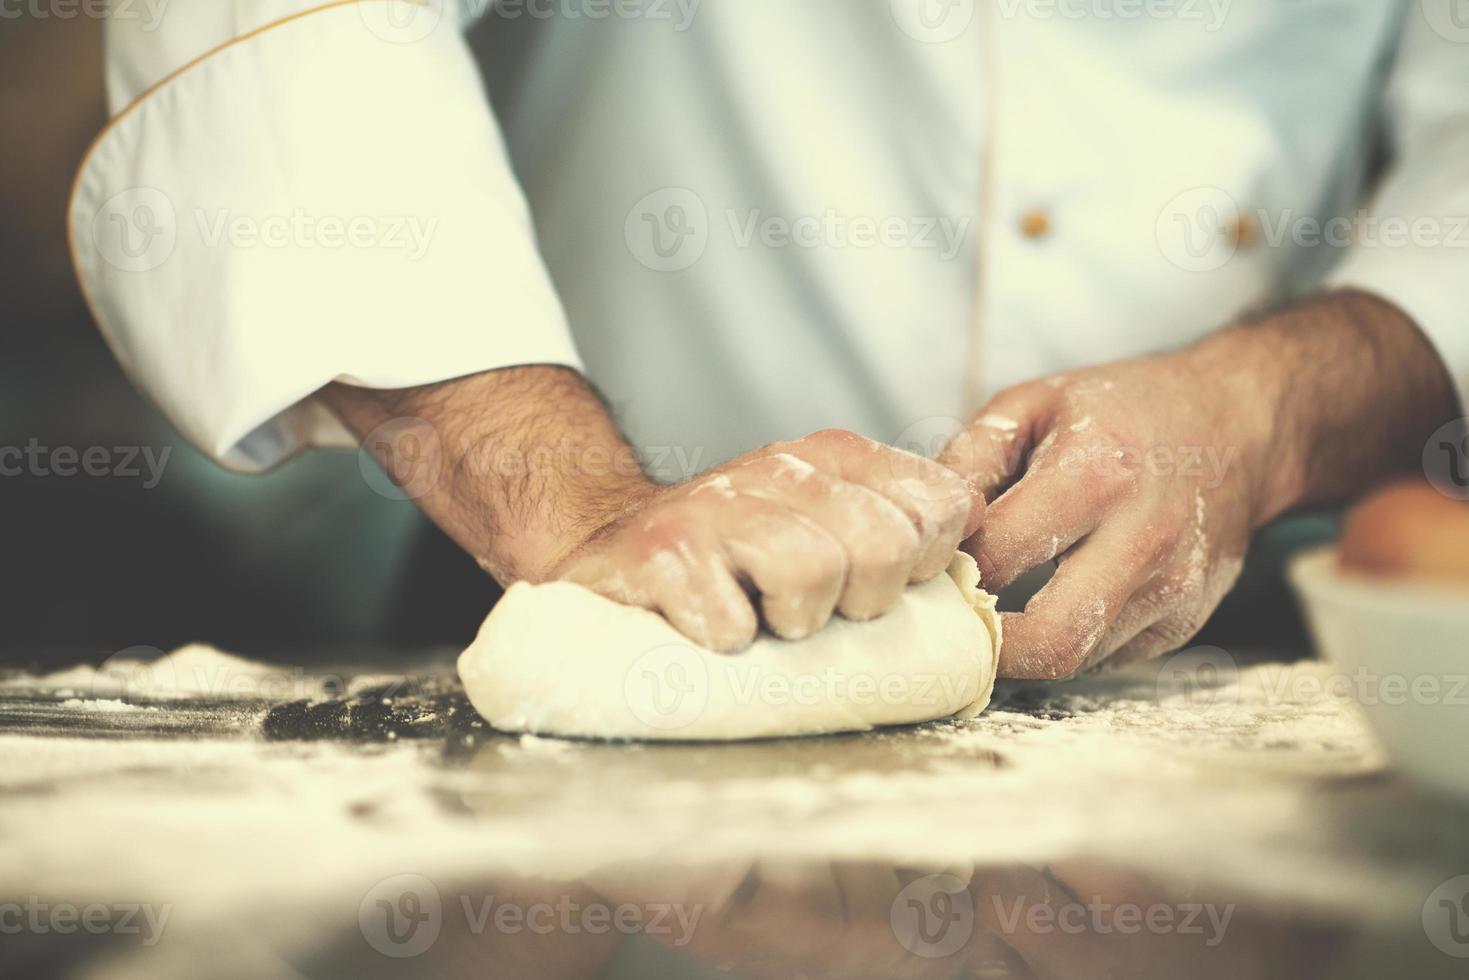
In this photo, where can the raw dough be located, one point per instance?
(558, 659)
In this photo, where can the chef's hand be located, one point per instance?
(524, 469)
(1146, 478)
(833, 521)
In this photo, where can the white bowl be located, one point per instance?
(1404, 648)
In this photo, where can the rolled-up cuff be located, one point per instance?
(317, 200)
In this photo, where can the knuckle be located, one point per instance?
(1011, 394)
(1158, 640)
(952, 509)
(891, 548)
(827, 561)
(836, 438)
(789, 469)
(1102, 479)
(946, 484)
(1139, 552)
(1174, 585)
(817, 560)
(672, 529)
(927, 520)
(762, 467)
(773, 449)
(882, 567)
(1066, 662)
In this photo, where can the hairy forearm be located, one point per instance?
(524, 469)
(1346, 387)
(517, 465)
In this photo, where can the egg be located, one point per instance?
(1408, 530)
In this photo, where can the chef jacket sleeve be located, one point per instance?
(295, 192)
(1414, 249)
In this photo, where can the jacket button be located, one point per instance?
(1035, 224)
(1244, 232)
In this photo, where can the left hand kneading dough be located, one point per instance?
(558, 659)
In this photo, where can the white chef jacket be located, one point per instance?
(749, 219)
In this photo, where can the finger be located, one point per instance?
(795, 565)
(1163, 616)
(709, 607)
(880, 542)
(1056, 504)
(1163, 636)
(675, 566)
(991, 451)
(935, 499)
(1069, 617)
(1139, 615)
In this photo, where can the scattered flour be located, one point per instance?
(999, 422)
(104, 704)
(190, 672)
